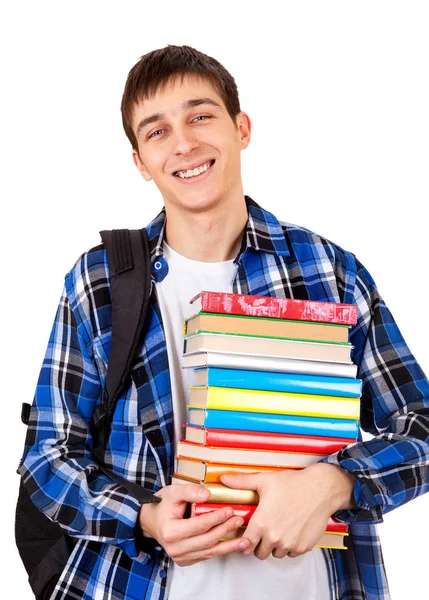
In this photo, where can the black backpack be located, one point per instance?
(42, 544)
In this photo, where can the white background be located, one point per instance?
(338, 95)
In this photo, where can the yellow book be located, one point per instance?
(220, 493)
(274, 402)
(330, 539)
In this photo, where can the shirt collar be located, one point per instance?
(263, 233)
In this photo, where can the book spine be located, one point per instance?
(281, 403)
(316, 426)
(214, 471)
(337, 526)
(257, 362)
(278, 442)
(329, 539)
(240, 510)
(297, 350)
(247, 510)
(280, 308)
(284, 382)
(220, 493)
(246, 456)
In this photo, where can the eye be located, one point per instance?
(202, 117)
(153, 134)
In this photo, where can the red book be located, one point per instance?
(259, 440)
(247, 510)
(277, 308)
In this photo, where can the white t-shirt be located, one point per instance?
(234, 576)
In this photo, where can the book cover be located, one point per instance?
(277, 328)
(264, 441)
(221, 493)
(278, 308)
(317, 426)
(274, 402)
(332, 539)
(195, 509)
(323, 351)
(201, 471)
(246, 456)
(258, 362)
(278, 382)
(240, 510)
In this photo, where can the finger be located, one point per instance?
(195, 526)
(190, 492)
(264, 549)
(249, 481)
(207, 545)
(253, 533)
(219, 549)
(280, 552)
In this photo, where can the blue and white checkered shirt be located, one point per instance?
(275, 259)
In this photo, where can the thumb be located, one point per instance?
(189, 492)
(248, 481)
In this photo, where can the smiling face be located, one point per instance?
(189, 145)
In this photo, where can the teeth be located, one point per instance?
(194, 172)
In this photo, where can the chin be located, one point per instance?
(199, 202)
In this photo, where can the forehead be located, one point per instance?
(170, 97)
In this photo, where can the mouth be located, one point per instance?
(195, 175)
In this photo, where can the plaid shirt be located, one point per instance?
(275, 259)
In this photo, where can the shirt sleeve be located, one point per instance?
(57, 469)
(392, 467)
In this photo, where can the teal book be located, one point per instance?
(279, 382)
(274, 423)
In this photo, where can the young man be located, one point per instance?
(182, 115)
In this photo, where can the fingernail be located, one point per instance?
(229, 512)
(239, 522)
(242, 545)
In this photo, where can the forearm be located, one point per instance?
(392, 467)
(334, 484)
(389, 471)
(57, 468)
(66, 485)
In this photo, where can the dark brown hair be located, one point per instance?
(159, 67)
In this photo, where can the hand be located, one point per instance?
(294, 507)
(188, 541)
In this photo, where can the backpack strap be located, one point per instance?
(128, 256)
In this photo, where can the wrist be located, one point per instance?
(144, 541)
(144, 520)
(340, 486)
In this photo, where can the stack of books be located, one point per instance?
(275, 389)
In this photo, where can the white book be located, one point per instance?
(246, 456)
(258, 362)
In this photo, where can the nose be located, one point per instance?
(184, 140)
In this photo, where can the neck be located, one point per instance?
(209, 236)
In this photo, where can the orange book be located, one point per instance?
(202, 472)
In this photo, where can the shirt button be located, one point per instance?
(160, 269)
(163, 573)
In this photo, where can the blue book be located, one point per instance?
(279, 382)
(246, 421)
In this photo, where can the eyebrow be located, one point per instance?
(185, 106)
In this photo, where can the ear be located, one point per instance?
(244, 127)
(140, 166)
